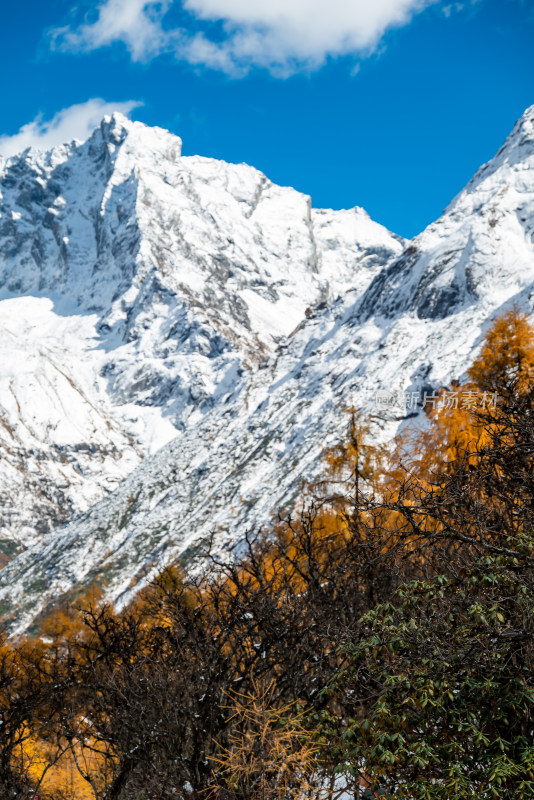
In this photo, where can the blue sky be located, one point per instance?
(387, 104)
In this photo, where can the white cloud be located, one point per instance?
(137, 23)
(281, 35)
(75, 122)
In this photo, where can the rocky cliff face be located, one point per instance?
(308, 316)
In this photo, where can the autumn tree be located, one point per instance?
(31, 690)
(270, 754)
(441, 681)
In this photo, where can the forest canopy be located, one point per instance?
(378, 640)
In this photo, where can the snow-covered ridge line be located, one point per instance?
(375, 313)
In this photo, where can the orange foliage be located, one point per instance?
(504, 370)
(66, 621)
(54, 769)
(506, 361)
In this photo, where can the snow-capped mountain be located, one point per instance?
(401, 317)
(137, 288)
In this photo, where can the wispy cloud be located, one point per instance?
(136, 23)
(76, 122)
(283, 36)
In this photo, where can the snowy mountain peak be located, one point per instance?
(523, 130)
(482, 242)
(515, 154)
(116, 128)
(138, 290)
